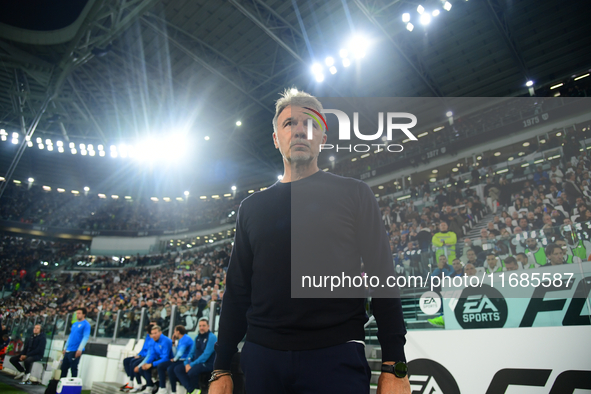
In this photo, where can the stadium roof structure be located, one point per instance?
(177, 71)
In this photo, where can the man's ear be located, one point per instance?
(275, 140)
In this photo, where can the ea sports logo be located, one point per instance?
(481, 307)
(429, 377)
(430, 303)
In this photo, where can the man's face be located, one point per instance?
(442, 226)
(530, 216)
(79, 315)
(512, 266)
(508, 222)
(155, 334)
(471, 255)
(483, 233)
(442, 261)
(177, 335)
(457, 264)
(531, 243)
(522, 259)
(291, 137)
(469, 270)
(491, 260)
(203, 327)
(557, 256)
(37, 329)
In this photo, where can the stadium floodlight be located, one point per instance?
(333, 70)
(447, 6)
(59, 143)
(526, 143)
(82, 147)
(3, 137)
(581, 77)
(319, 77)
(115, 197)
(60, 190)
(29, 143)
(410, 26)
(86, 189)
(449, 114)
(206, 138)
(73, 150)
(238, 123)
(406, 17)
(75, 192)
(497, 154)
(420, 9)
(529, 83)
(113, 148)
(331, 158)
(84, 152)
(113, 153)
(50, 148)
(455, 169)
(101, 153)
(329, 61)
(48, 142)
(556, 86)
(90, 147)
(91, 153)
(280, 177)
(343, 53)
(72, 145)
(60, 149)
(186, 193)
(233, 188)
(40, 146)
(358, 46)
(316, 69)
(435, 13)
(425, 19)
(100, 147)
(31, 180)
(433, 179)
(346, 62)
(15, 135)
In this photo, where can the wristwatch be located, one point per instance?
(399, 369)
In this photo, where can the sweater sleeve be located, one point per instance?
(85, 337)
(237, 298)
(375, 252)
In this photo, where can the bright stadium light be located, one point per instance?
(100, 147)
(233, 188)
(529, 83)
(59, 143)
(29, 144)
(346, 62)
(186, 194)
(406, 17)
(86, 188)
(329, 61)
(420, 9)
(319, 77)
(358, 46)
(48, 142)
(101, 153)
(435, 13)
(49, 148)
(238, 123)
(333, 70)
(449, 114)
(113, 148)
(40, 146)
(60, 149)
(82, 147)
(113, 153)
(343, 53)
(425, 19)
(73, 150)
(83, 152)
(90, 147)
(447, 6)
(31, 180)
(206, 138)
(38, 140)
(316, 68)
(72, 145)
(280, 177)
(410, 26)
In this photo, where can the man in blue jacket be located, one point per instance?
(131, 364)
(200, 359)
(79, 335)
(182, 353)
(32, 351)
(160, 352)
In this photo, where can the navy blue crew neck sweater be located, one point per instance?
(257, 301)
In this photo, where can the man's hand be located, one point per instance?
(78, 353)
(23, 357)
(146, 366)
(388, 384)
(172, 359)
(136, 370)
(64, 351)
(187, 368)
(137, 357)
(225, 385)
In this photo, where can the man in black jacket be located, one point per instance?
(33, 351)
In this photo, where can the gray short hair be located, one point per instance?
(302, 98)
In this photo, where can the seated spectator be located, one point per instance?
(522, 259)
(160, 352)
(469, 269)
(492, 264)
(200, 358)
(458, 268)
(535, 254)
(470, 257)
(443, 268)
(32, 351)
(555, 255)
(511, 264)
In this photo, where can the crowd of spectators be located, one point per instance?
(35, 205)
(191, 280)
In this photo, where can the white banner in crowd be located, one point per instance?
(536, 360)
(548, 296)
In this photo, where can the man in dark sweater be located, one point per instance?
(298, 344)
(32, 351)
